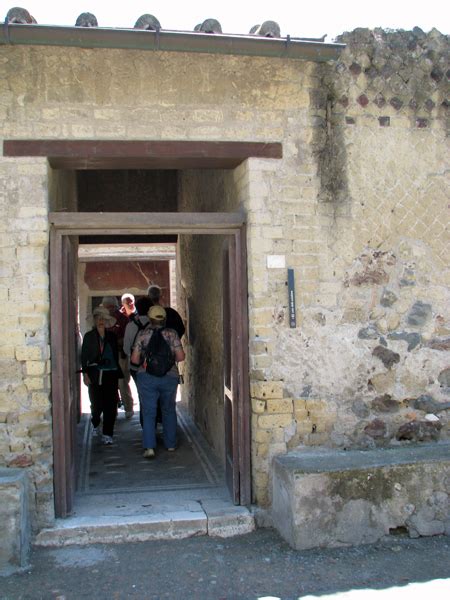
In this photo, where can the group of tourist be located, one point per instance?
(141, 340)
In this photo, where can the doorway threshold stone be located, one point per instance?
(211, 517)
(110, 530)
(226, 520)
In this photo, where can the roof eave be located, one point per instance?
(168, 41)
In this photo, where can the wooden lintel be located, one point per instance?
(129, 154)
(145, 223)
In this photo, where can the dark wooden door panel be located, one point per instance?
(65, 387)
(229, 377)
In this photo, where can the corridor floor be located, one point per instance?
(117, 478)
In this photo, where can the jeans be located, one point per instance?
(151, 389)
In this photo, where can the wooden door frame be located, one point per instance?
(77, 224)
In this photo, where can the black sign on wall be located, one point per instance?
(291, 299)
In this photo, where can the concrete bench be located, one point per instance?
(14, 520)
(328, 498)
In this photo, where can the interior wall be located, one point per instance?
(105, 278)
(127, 191)
(201, 294)
(202, 278)
(62, 190)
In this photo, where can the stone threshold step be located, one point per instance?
(214, 521)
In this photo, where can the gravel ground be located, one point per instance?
(250, 567)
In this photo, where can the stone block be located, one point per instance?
(324, 498)
(258, 406)
(225, 520)
(279, 405)
(262, 436)
(34, 383)
(270, 421)
(262, 450)
(40, 399)
(267, 389)
(34, 367)
(37, 238)
(30, 353)
(14, 520)
(301, 414)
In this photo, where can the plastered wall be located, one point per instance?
(202, 293)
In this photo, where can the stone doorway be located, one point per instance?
(65, 227)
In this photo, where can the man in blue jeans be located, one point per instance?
(154, 387)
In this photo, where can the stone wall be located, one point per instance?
(201, 296)
(25, 410)
(356, 206)
(369, 364)
(73, 93)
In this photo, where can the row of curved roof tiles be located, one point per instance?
(269, 29)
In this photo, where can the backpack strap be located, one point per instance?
(141, 327)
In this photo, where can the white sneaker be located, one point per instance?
(96, 431)
(149, 453)
(107, 440)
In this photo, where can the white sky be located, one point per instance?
(313, 18)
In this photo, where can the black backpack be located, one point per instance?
(159, 358)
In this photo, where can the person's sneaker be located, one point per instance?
(149, 453)
(129, 414)
(107, 440)
(170, 449)
(95, 431)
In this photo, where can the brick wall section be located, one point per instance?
(68, 93)
(363, 223)
(25, 418)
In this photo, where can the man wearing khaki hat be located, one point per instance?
(157, 350)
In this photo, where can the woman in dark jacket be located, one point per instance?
(101, 372)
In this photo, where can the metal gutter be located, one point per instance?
(167, 41)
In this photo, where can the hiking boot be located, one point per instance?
(107, 440)
(149, 453)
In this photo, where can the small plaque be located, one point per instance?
(276, 261)
(291, 299)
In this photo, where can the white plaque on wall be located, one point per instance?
(276, 261)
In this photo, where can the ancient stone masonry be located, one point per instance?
(357, 206)
(368, 365)
(25, 432)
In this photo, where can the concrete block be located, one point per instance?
(14, 520)
(324, 498)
